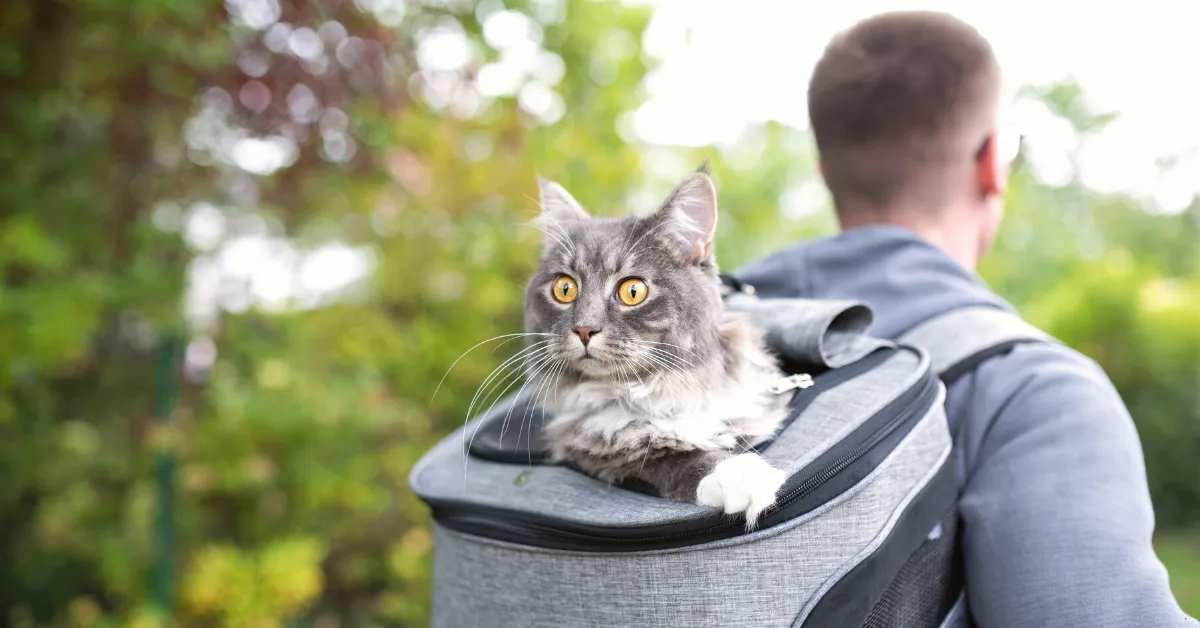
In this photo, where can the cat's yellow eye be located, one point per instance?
(632, 291)
(564, 289)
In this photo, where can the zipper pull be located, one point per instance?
(791, 382)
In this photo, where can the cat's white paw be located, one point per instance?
(744, 483)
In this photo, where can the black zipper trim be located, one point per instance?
(864, 450)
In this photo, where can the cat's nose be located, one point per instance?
(586, 333)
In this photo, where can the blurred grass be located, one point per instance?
(1180, 552)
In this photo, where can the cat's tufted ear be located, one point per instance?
(690, 212)
(558, 206)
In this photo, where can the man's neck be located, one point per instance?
(958, 243)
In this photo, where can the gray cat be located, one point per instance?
(645, 374)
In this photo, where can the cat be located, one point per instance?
(651, 378)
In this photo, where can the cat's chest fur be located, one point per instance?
(727, 409)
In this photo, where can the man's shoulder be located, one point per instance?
(1037, 384)
(778, 274)
(1042, 364)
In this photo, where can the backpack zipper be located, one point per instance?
(543, 531)
(791, 382)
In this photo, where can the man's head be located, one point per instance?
(905, 110)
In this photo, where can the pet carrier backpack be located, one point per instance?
(863, 533)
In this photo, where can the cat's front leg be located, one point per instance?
(734, 483)
(741, 483)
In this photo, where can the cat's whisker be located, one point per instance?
(743, 443)
(540, 359)
(669, 355)
(625, 399)
(556, 376)
(542, 388)
(684, 377)
(669, 344)
(628, 385)
(534, 349)
(520, 374)
(503, 371)
(494, 349)
(529, 371)
(562, 368)
(657, 346)
(670, 391)
(642, 464)
(439, 386)
(676, 369)
(468, 443)
(664, 357)
(641, 344)
(633, 367)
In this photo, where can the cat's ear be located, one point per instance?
(690, 214)
(558, 206)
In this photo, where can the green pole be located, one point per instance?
(165, 395)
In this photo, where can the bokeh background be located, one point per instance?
(241, 243)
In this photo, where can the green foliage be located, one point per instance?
(299, 419)
(1144, 329)
(1121, 283)
(1180, 553)
(295, 446)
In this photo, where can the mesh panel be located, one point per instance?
(927, 585)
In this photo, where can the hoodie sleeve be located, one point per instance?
(1056, 508)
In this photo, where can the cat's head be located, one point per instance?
(620, 297)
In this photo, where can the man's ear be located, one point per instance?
(689, 217)
(990, 171)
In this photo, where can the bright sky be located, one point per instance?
(727, 64)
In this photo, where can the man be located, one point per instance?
(1057, 520)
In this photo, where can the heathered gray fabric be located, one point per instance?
(566, 493)
(762, 579)
(1055, 505)
(938, 433)
(833, 415)
(961, 333)
(823, 333)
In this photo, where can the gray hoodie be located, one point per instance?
(1056, 511)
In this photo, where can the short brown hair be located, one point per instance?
(898, 100)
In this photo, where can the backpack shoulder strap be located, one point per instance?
(959, 340)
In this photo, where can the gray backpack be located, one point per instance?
(864, 532)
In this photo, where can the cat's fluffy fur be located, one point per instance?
(671, 391)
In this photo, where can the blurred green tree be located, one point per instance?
(153, 143)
